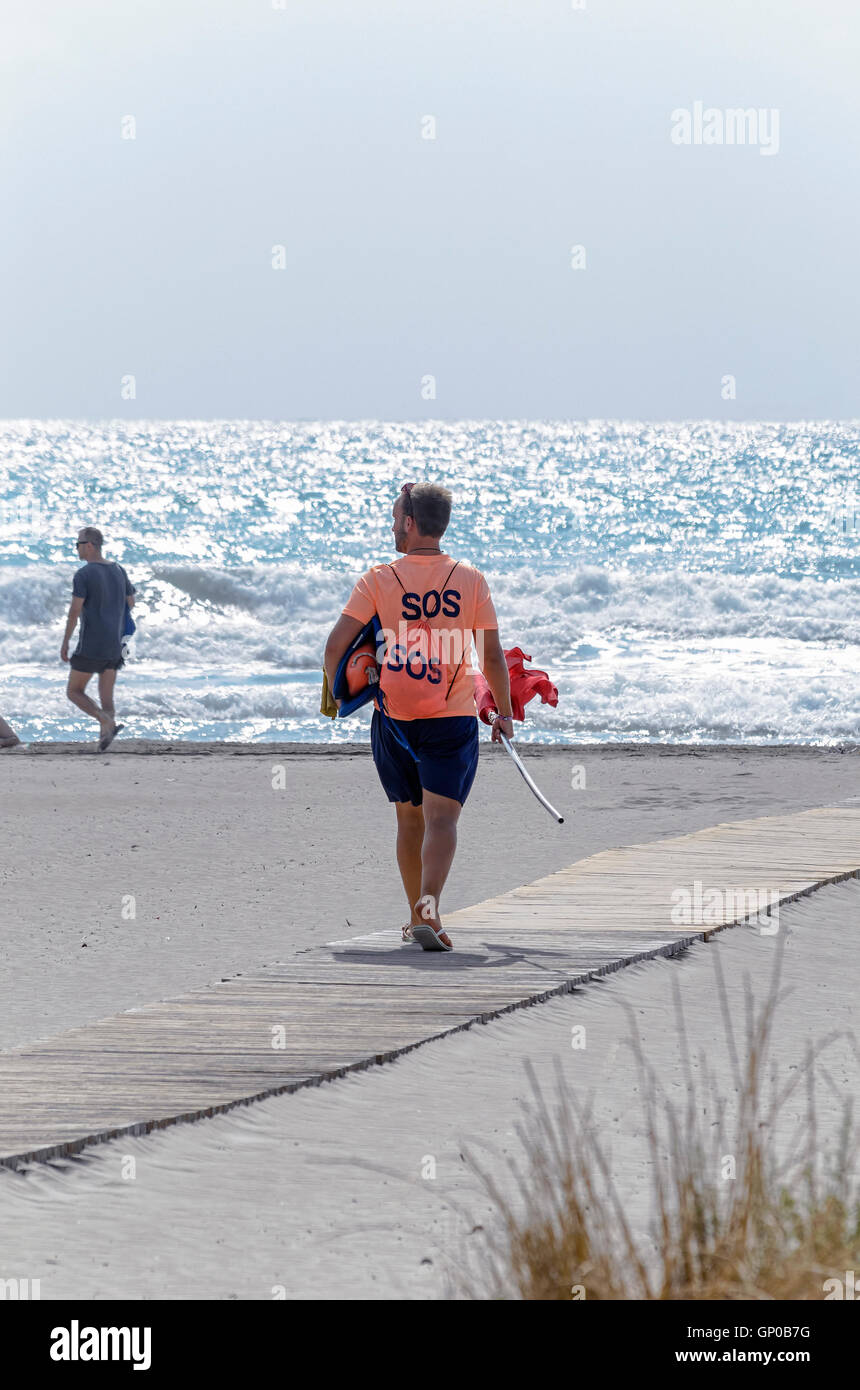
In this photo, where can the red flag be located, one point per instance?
(524, 686)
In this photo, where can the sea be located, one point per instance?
(680, 583)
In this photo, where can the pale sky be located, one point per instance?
(300, 125)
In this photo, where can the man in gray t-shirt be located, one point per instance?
(101, 597)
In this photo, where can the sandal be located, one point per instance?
(429, 938)
(107, 739)
(406, 935)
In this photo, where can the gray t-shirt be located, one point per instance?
(103, 586)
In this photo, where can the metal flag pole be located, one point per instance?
(528, 780)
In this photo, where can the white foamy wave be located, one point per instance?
(33, 595)
(230, 702)
(680, 696)
(688, 700)
(559, 609)
(279, 616)
(274, 591)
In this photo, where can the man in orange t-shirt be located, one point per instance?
(425, 736)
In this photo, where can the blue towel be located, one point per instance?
(371, 632)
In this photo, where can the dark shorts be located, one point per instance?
(447, 753)
(94, 664)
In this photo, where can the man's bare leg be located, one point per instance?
(77, 693)
(107, 681)
(441, 814)
(410, 838)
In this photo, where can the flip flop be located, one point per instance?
(107, 739)
(428, 937)
(406, 935)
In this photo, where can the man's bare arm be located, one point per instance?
(74, 613)
(492, 661)
(343, 632)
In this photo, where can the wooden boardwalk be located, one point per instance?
(354, 1003)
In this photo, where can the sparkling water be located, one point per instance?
(679, 582)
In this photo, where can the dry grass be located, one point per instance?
(776, 1230)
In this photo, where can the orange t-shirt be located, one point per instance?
(452, 596)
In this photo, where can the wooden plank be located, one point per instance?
(780, 855)
(357, 1002)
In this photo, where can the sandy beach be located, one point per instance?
(324, 1193)
(223, 873)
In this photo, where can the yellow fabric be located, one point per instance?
(327, 704)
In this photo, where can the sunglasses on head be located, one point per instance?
(406, 494)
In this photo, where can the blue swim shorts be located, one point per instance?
(445, 761)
